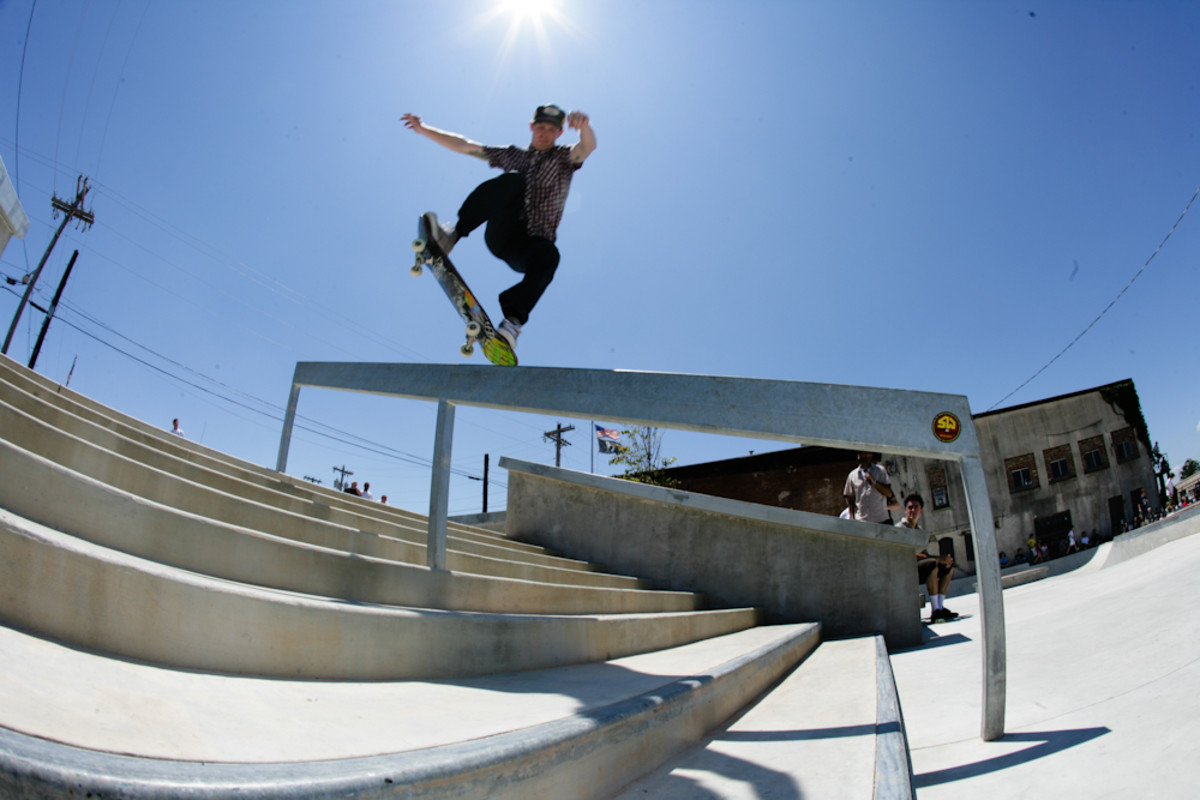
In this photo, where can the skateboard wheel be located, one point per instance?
(416, 269)
(467, 350)
(474, 329)
(418, 245)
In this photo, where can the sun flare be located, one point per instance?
(537, 22)
(534, 11)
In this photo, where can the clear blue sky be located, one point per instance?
(922, 195)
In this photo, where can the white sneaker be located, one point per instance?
(444, 233)
(509, 330)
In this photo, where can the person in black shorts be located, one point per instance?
(933, 571)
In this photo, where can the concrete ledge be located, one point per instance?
(92, 597)
(1019, 578)
(854, 578)
(893, 766)
(593, 753)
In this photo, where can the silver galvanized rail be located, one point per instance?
(900, 422)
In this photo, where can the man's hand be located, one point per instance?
(587, 137)
(413, 123)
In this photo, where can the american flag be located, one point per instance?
(607, 439)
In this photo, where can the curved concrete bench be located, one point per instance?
(591, 754)
(112, 602)
(131, 476)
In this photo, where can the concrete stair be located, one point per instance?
(175, 622)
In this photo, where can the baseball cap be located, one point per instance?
(550, 113)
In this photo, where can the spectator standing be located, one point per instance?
(867, 491)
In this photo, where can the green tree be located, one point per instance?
(640, 453)
(1189, 468)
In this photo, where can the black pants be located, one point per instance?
(500, 203)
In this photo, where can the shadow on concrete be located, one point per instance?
(801, 736)
(1051, 742)
(765, 782)
(936, 641)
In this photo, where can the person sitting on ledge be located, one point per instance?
(933, 571)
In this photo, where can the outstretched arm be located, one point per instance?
(451, 141)
(587, 137)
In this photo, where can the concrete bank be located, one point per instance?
(1104, 672)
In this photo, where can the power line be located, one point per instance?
(17, 122)
(1106, 308)
(272, 412)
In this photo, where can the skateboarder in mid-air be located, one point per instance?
(522, 207)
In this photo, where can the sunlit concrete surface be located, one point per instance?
(1104, 683)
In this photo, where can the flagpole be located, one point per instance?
(594, 448)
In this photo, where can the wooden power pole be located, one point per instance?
(70, 212)
(556, 436)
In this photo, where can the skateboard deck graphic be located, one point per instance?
(479, 327)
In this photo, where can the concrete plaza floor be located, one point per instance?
(1103, 693)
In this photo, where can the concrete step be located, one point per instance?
(99, 598)
(47, 429)
(78, 506)
(70, 457)
(831, 729)
(76, 724)
(16, 378)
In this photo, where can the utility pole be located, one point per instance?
(485, 481)
(37, 348)
(73, 211)
(556, 436)
(340, 483)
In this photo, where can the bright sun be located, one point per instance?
(531, 10)
(536, 21)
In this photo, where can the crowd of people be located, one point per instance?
(364, 492)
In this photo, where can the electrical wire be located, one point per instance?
(17, 122)
(1107, 308)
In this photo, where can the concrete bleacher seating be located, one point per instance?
(175, 617)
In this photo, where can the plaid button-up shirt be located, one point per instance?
(547, 175)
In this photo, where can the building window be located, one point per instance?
(940, 500)
(1059, 462)
(1022, 478)
(1125, 445)
(1094, 455)
(937, 486)
(1022, 473)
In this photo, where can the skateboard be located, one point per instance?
(931, 621)
(479, 328)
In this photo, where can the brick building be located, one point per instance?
(1077, 461)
